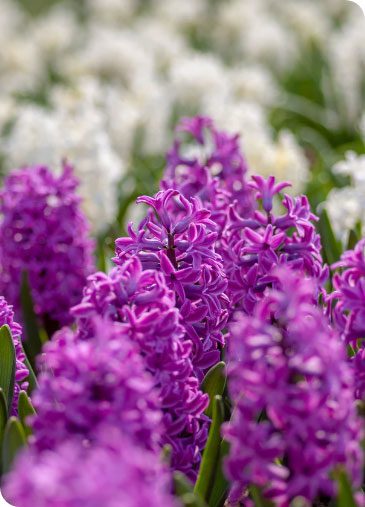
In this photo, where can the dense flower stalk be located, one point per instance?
(44, 233)
(85, 384)
(113, 472)
(212, 168)
(177, 238)
(295, 419)
(21, 370)
(252, 246)
(145, 307)
(348, 310)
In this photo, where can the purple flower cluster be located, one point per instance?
(252, 246)
(212, 168)
(294, 420)
(177, 238)
(349, 309)
(85, 384)
(44, 233)
(21, 371)
(112, 473)
(144, 306)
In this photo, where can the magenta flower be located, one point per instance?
(294, 419)
(45, 234)
(112, 472)
(211, 168)
(85, 384)
(178, 239)
(251, 247)
(349, 308)
(145, 308)
(267, 190)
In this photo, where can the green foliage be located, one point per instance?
(208, 466)
(214, 384)
(32, 340)
(331, 246)
(185, 492)
(220, 487)
(7, 365)
(3, 421)
(258, 498)
(14, 440)
(25, 409)
(345, 493)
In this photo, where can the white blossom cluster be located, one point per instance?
(346, 206)
(126, 70)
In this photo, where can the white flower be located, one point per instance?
(181, 14)
(47, 137)
(346, 206)
(309, 20)
(249, 29)
(254, 83)
(166, 44)
(194, 76)
(113, 55)
(346, 54)
(283, 158)
(353, 166)
(112, 11)
(54, 33)
(21, 66)
(345, 209)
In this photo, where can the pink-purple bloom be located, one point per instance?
(145, 308)
(87, 383)
(294, 418)
(251, 247)
(112, 472)
(177, 238)
(349, 308)
(45, 234)
(21, 370)
(208, 164)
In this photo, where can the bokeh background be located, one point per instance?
(102, 83)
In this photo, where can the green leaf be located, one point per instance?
(32, 342)
(331, 246)
(221, 485)
(3, 420)
(354, 236)
(352, 240)
(14, 441)
(214, 384)
(25, 409)
(208, 466)
(258, 498)
(345, 493)
(184, 490)
(7, 364)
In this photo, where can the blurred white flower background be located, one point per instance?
(102, 83)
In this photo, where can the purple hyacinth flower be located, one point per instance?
(112, 472)
(348, 312)
(267, 189)
(251, 247)
(85, 384)
(294, 420)
(44, 233)
(210, 167)
(145, 307)
(178, 238)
